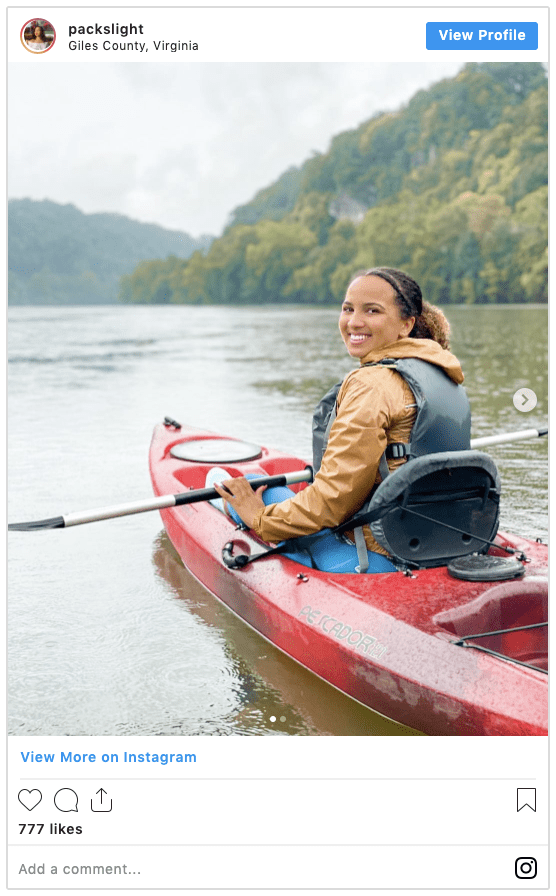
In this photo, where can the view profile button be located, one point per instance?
(482, 36)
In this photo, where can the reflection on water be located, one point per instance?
(103, 642)
(270, 684)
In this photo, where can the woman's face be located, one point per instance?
(37, 31)
(370, 317)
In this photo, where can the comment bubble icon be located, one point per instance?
(65, 800)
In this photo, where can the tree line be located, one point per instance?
(58, 255)
(452, 188)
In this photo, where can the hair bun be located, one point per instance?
(432, 324)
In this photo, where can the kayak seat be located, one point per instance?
(434, 508)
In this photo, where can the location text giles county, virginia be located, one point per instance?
(121, 31)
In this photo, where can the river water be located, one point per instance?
(108, 634)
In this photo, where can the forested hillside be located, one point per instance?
(58, 255)
(452, 187)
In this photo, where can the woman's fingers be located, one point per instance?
(229, 487)
(239, 494)
(237, 488)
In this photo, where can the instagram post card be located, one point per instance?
(277, 447)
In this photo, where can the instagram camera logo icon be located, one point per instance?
(525, 868)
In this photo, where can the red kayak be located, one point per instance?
(443, 655)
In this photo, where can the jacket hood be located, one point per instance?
(425, 350)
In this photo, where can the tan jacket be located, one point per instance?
(375, 407)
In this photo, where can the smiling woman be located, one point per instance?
(369, 424)
(370, 316)
(400, 302)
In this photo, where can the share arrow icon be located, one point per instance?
(101, 804)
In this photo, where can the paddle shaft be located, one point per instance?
(208, 494)
(508, 437)
(191, 497)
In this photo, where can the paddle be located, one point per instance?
(207, 494)
(191, 497)
(508, 437)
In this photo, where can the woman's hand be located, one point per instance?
(246, 502)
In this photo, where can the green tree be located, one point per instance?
(452, 187)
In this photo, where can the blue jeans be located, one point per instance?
(323, 550)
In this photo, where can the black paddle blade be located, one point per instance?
(55, 522)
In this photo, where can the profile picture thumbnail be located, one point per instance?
(38, 36)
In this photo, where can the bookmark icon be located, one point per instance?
(527, 798)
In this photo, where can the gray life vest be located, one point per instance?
(442, 422)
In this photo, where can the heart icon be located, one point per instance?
(29, 798)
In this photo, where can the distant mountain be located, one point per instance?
(451, 187)
(58, 255)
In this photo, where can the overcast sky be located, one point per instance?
(181, 145)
